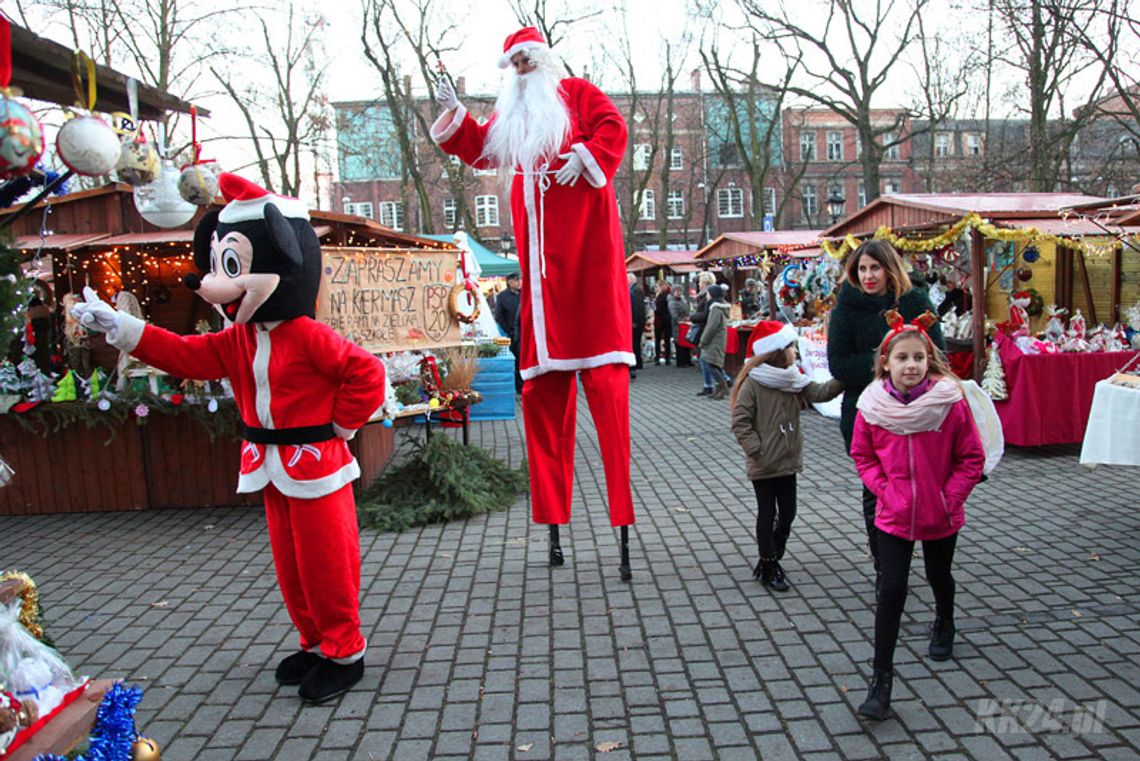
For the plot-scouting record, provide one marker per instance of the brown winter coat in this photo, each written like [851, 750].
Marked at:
[767, 425]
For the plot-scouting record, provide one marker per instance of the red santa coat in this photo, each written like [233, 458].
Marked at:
[291, 374]
[575, 310]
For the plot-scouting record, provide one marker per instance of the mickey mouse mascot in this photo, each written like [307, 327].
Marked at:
[302, 391]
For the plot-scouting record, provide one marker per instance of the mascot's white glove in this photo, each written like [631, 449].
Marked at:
[571, 170]
[445, 94]
[345, 433]
[95, 314]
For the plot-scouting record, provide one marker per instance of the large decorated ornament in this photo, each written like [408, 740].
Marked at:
[160, 203]
[198, 184]
[138, 162]
[88, 146]
[21, 138]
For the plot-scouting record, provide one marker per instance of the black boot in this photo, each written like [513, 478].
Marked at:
[293, 668]
[328, 679]
[704, 392]
[625, 571]
[771, 575]
[942, 639]
[556, 557]
[878, 703]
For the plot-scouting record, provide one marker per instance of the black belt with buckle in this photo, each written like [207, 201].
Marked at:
[306, 434]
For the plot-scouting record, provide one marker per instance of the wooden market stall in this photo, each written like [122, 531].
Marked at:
[1052, 243]
[104, 462]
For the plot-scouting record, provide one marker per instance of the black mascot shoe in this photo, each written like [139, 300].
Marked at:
[328, 679]
[292, 669]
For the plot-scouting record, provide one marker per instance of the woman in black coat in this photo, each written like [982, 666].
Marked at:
[875, 282]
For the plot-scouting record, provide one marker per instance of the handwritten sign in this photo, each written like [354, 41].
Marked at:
[389, 300]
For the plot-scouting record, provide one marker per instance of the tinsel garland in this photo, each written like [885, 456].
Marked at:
[30, 602]
[114, 732]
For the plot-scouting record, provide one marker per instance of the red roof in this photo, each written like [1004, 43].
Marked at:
[665, 257]
[59, 242]
[1073, 225]
[731, 245]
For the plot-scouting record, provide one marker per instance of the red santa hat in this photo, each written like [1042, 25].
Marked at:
[524, 39]
[247, 201]
[770, 335]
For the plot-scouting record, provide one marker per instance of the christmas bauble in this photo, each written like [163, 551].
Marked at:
[138, 163]
[145, 749]
[198, 185]
[160, 202]
[88, 145]
[21, 139]
[1024, 275]
[1030, 254]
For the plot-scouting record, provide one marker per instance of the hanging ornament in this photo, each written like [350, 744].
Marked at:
[87, 144]
[160, 203]
[138, 159]
[21, 137]
[198, 184]
[793, 276]
[1030, 254]
[1024, 275]
[145, 749]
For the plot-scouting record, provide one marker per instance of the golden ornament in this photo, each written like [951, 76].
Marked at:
[145, 749]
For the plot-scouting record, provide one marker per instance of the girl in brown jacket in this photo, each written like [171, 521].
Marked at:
[766, 401]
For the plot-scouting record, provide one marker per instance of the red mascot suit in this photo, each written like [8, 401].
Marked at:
[302, 391]
[575, 306]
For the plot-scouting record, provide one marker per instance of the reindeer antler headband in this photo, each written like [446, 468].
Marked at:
[898, 325]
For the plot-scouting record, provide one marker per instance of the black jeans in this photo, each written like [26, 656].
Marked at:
[894, 559]
[775, 511]
[638, 332]
[663, 344]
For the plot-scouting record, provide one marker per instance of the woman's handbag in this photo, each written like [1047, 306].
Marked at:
[694, 334]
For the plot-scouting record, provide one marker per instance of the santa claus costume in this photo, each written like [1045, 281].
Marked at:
[301, 390]
[575, 311]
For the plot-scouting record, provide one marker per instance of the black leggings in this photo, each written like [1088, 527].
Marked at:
[869, 503]
[894, 562]
[663, 344]
[773, 527]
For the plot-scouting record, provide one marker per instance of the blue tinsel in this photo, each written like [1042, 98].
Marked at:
[114, 733]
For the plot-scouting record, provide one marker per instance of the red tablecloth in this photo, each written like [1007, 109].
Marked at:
[1050, 394]
[731, 341]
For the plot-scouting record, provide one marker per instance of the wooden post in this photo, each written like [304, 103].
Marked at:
[1114, 303]
[978, 290]
[1080, 256]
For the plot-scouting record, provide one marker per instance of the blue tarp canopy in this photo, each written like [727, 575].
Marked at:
[493, 265]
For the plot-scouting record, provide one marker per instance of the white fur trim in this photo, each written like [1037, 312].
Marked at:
[594, 173]
[448, 123]
[582, 363]
[505, 58]
[781, 339]
[348, 434]
[127, 333]
[535, 228]
[244, 211]
[272, 471]
[262, 391]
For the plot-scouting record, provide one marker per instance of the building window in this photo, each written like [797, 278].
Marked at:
[641, 153]
[392, 214]
[676, 160]
[727, 155]
[486, 211]
[834, 146]
[973, 144]
[675, 207]
[807, 146]
[449, 208]
[730, 203]
[858, 146]
[890, 152]
[648, 205]
[362, 209]
[942, 144]
[861, 193]
[769, 200]
[810, 200]
[892, 186]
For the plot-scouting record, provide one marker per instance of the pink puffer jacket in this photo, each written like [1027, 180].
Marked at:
[921, 479]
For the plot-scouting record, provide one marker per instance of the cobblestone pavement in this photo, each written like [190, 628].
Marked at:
[478, 649]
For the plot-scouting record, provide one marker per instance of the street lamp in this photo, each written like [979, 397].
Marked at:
[835, 203]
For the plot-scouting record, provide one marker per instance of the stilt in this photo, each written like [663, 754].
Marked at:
[556, 558]
[626, 573]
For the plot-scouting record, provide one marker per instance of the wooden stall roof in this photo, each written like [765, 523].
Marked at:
[42, 69]
[57, 242]
[731, 245]
[1071, 226]
[915, 211]
[677, 261]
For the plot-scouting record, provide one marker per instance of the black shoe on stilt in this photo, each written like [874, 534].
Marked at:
[878, 703]
[624, 569]
[292, 669]
[556, 558]
[329, 679]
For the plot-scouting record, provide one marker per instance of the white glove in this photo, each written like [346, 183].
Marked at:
[445, 94]
[571, 170]
[6, 473]
[95, 314]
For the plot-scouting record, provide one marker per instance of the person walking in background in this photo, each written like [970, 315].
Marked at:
[700, 316]
[750, 299]
[678, 311]
[662, 325]
[637, 308]
[874, 282]
[713, 339]
[918, 451]
[766, 400]
[507, 318]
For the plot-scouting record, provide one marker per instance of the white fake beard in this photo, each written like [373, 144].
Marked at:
[531, 121]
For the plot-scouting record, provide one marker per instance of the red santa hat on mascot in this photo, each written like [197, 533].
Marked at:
[527, 38]
[247, 201]
[769, 336]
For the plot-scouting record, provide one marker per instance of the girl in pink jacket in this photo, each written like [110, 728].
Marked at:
[916, 447]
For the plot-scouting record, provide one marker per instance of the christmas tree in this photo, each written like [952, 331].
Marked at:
[993, 380]
[15, 293]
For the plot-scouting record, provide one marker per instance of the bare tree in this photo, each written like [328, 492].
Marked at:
[553, 23]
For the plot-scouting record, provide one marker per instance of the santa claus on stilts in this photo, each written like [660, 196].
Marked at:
[564, 140]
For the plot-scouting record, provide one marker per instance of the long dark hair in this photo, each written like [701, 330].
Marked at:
[884, 253]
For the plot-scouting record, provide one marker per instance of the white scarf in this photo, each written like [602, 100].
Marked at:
[787, 379]
[926, 413]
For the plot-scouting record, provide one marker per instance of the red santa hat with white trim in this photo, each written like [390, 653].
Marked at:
[527, 38]
[770, 335]
[247, 201]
